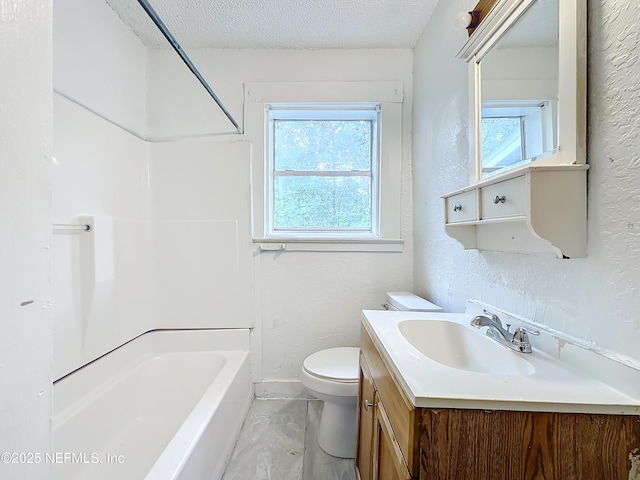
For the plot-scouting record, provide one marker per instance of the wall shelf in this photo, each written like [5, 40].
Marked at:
[532, 209]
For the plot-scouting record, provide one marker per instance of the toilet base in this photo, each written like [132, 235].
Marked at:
[337, 431]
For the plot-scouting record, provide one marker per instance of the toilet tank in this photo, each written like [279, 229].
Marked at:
[407, 301]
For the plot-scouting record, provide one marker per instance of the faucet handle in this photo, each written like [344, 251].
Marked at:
[520, 335]
[535, 333]
[521, 340]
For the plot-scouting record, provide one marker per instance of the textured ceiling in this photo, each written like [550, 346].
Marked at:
[281, 23]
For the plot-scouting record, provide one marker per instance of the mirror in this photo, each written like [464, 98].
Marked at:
[527, 84]
[519, 92]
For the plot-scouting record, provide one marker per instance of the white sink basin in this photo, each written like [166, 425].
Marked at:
[457, 346]
[440, 361]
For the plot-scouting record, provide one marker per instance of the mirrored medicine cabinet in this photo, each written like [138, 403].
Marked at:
[527, 118]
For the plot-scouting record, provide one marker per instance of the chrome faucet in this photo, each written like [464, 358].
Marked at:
[482, 321]
[517, 341]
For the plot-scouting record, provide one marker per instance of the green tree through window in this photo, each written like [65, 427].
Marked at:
[323, 172]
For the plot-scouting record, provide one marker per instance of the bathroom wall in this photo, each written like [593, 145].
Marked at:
[191, 206]
[595, 299]
[101, 289]
[100, 279]
[304, 301]
[100, 63]
[170, 245]
[201, 251]
[25, 235]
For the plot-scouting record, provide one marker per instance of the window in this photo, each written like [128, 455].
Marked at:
[323, 170]
[326, 165]
[502, 143]
[515, 133]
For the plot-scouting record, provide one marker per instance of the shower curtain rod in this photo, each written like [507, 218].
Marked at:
[185, 58]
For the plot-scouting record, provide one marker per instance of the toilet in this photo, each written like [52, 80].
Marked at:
[331, 375]
[407, 301]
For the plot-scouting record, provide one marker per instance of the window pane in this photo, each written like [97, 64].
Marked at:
[322, 202]
[501, 142]
[322, 145]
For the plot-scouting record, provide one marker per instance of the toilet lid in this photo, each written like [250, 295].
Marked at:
[338, 364]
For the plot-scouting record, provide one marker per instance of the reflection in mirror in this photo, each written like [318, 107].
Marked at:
[519, 92]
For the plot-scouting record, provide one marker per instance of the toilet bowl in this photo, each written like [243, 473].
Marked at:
[332, 376]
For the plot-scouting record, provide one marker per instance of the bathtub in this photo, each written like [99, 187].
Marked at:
[166, 405]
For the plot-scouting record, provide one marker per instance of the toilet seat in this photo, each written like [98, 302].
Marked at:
[334, 364]
[332, 376]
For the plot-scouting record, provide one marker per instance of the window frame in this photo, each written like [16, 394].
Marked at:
[323, 111]
[545, 129]
[390, 95]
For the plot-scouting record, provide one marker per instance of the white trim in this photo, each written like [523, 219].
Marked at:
[289, 244]
[281, 389]
[389, 95]
[323, 111]
[571, 77]
[492, 28]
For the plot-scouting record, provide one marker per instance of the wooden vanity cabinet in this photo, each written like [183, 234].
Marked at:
[364, 439]
[387, 446]
[510, 445]
[398, 441]
[388, 461]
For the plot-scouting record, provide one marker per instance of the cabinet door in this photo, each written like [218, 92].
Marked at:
[388, 462]
[364, 442]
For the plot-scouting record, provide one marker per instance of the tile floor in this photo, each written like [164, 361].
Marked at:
[278, 442]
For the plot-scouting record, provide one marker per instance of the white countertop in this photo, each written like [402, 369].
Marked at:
[555, 386]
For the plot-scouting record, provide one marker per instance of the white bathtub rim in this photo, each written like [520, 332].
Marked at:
[238, 337]
[232, 386]
[175, 455]
[69, 396]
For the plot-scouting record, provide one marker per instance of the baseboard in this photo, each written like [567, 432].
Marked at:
[281, 389]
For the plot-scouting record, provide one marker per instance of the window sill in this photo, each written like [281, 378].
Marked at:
[289, 244]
